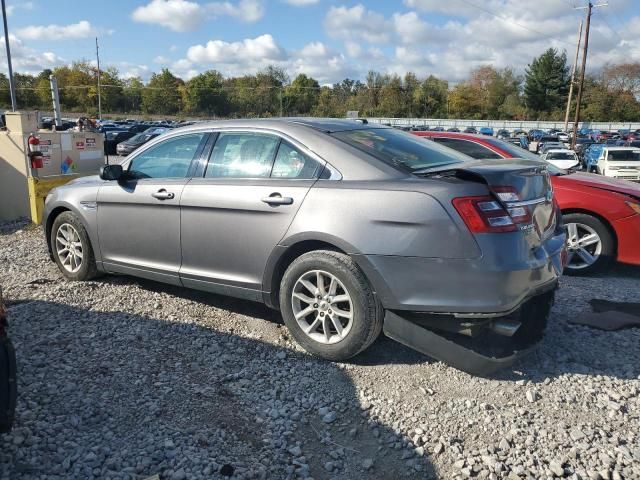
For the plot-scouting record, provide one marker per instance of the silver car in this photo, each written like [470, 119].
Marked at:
[347, 228]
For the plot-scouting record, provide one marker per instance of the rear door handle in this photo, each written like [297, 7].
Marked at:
[277, 199]
[162, 194]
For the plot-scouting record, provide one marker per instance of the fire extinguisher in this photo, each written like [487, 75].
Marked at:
[37, 161]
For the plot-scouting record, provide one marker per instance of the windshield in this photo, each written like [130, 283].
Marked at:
[561, 156]
[624, 155]
[400, 149]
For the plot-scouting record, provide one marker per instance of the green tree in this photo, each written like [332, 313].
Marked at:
[132, 94]
[162, 94]
[431, 98]
[546, 83]
[301, 96]
[205, 93]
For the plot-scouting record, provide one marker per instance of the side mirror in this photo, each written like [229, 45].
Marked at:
[111, 172]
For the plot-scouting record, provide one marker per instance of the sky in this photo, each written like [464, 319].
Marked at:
[327, 39]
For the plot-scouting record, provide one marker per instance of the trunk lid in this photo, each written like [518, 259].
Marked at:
[523, 188]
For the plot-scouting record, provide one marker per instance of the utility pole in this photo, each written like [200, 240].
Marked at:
[99, 87]
[12, 86]
[573, 78]
[589, 8]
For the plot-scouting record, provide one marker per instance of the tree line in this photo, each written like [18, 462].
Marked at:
[488, 93]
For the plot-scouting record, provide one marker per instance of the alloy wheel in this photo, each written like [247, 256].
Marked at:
[583, 244]
[69, 248]
[322, 307]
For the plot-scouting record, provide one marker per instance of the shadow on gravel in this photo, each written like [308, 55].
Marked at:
[115, 395]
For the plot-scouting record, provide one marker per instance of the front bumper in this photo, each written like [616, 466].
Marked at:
[627, 233]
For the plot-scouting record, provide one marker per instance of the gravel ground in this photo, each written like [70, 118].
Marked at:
[122, 378]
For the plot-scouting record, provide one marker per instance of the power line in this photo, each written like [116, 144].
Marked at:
[515, 23]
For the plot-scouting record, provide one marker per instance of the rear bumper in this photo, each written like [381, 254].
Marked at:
[482, 350]
[486, 286]
[627, 233]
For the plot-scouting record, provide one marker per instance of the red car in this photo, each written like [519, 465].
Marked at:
[602, 214]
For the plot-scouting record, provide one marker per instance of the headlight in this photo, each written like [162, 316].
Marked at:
[634, 206]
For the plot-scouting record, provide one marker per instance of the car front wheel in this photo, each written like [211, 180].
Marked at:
[71, 248]
[328, 305]
[590, 244]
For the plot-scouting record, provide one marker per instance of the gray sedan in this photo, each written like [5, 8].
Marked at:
[347, 228]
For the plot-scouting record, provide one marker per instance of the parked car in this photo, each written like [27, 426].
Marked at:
[486, 131]
[545, 147]
[453, 129]
[470, 130]
[135, 142]
[539, 145]
[113, 138]
[8, 373]
[602, 214]
[521, 142]
[249, 208]
[561, 158]
[503, 134]
[590, 157]
[519, 132]
[619, 162]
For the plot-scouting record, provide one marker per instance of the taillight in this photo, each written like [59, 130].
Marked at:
[487, 215]
[484, 215]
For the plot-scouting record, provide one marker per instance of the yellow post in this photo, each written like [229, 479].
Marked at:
[39, 188]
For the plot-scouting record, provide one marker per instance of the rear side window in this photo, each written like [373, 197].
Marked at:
[242, 155]
[291, 163]
[400, 149]
[474, 150]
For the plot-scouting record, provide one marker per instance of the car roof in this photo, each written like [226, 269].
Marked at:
[560, 150]
[634, 149]
[327, 125]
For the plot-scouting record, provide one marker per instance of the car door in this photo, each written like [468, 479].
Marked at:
[235, 215]
[139, 216]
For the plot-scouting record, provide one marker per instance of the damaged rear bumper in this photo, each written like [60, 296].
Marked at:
[479, 346]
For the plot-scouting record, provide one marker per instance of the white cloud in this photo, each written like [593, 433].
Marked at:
[322, 63]
[11, 9]
[185, 15]
[25, 59]
[301, 3]
[131, 70]
[82, 29]
[162, 60]
[260, 49]
[357, 23]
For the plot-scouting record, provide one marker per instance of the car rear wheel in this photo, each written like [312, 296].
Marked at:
[71, 248]
[590, 244]
[328, 305]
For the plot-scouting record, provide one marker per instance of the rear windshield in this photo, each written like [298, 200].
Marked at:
[561, 156]
[400, 149]
[514, 151]
[624, 155]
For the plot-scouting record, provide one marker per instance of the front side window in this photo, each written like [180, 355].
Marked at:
[168, 159]
[291, 163]
[242, 155]
[474, 150]
[400, 149]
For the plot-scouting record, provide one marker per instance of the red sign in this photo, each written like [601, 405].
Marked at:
[79, 145]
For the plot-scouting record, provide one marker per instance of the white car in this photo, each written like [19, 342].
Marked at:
[561, 158]
[620, 162]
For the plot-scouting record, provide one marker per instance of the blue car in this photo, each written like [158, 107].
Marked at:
[591, 155]
[486, 131]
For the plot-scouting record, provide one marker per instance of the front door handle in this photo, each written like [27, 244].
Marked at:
[162, 194]
[277, 199]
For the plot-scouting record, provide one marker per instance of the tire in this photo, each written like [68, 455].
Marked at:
[85, 268]
[8, 384]
[358, 332]
[586, 224]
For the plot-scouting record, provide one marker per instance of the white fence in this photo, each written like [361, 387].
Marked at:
[496, 124]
